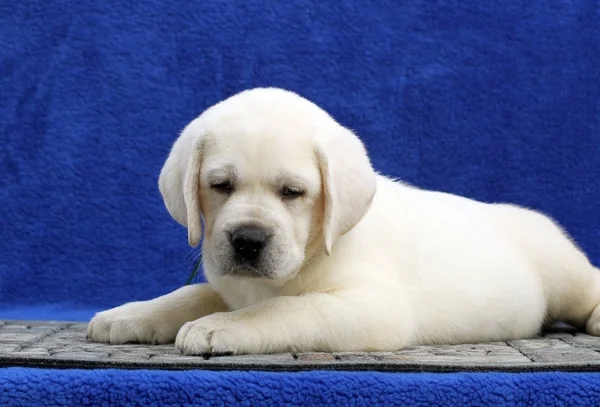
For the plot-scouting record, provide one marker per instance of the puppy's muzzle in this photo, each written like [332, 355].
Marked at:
[248, 243]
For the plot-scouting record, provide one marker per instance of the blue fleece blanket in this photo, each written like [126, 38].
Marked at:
[498, 101]
[20, 386]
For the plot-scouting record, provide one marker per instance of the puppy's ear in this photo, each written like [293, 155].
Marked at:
[179, 181]
[349, 181]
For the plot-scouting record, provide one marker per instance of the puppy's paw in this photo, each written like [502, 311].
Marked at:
[216, 334]
[138, 322]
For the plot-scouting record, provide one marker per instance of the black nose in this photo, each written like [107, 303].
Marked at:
[248, 242]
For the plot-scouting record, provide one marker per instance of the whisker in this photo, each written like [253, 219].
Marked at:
[191, 256]
[195, 271]
[190, 263]
[193, 264]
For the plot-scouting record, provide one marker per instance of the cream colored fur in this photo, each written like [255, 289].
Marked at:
[359, 262]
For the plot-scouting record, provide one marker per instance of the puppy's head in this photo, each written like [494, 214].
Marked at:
[273, 176]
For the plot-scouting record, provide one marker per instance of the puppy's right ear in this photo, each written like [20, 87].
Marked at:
[179, 180]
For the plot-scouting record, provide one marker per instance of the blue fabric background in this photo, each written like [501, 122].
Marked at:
[497, 101]
[150, 388]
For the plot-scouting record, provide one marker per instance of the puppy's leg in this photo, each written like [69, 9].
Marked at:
[593, 322]
[156, 321]
[576, 297]
[570, 282]
[312, 322]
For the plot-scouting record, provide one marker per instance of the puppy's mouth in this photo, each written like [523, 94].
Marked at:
[239, 270]
[259, 274]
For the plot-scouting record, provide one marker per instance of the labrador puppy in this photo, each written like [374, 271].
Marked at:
[307, 248]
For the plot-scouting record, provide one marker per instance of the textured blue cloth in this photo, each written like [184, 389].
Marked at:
[30, 387]
[498, 101]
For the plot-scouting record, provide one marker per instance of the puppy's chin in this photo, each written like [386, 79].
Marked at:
[279, 265]
[247, 271]
[232, 269]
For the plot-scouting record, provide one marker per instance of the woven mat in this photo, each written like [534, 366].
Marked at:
[50, 344]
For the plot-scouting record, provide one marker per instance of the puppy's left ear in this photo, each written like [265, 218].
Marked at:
[179, 181]
[349, 181]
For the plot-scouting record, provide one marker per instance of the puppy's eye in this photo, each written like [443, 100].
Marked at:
[291, 192]
[222, 186]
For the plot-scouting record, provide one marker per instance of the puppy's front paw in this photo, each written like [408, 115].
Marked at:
[216, 334]
[136, 322]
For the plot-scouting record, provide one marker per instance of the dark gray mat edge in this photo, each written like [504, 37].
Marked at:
[62, 345]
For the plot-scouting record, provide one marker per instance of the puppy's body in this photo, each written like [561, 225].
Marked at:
[445, 269]
[343, 267]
